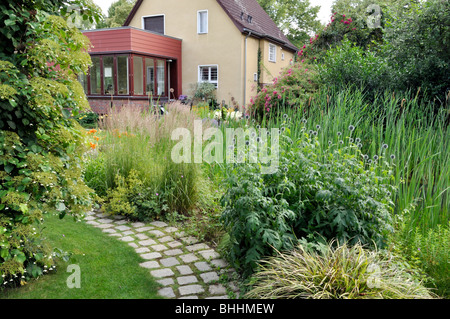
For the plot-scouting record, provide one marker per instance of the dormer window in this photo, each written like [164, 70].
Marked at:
[249, 19]
[242, 15]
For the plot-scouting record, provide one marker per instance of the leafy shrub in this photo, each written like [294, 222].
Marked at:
[204, 91]
[318, 191]
[293, 88]
[342, 272]
[88, 119]
[350, 64]
[135, 200]
[40, 145]
[343, 26]
[418, 46]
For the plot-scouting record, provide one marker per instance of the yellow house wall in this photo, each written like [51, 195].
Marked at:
[223, 45]
[271, 70]
[220, 46]
[252, 68]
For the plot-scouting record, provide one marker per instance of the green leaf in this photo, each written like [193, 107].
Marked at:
[9, 22]
[4, 253]
[38, 256]
[11, 124]
[20, 257]
[9, 168]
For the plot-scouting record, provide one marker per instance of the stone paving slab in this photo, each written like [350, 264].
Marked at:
[183, 266]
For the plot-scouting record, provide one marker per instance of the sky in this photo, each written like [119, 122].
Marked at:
[104, 4]
[325, 9]
[324, 13]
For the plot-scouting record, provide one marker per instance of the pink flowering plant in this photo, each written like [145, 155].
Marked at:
[341, 26]
[293, 87]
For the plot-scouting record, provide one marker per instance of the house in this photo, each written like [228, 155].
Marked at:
[232, 44]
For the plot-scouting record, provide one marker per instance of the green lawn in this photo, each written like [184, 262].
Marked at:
[109, 267]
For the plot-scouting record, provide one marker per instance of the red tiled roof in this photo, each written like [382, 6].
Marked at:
[260, 24]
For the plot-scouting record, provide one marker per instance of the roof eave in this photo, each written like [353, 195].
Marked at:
[258, 35]
[132, 13]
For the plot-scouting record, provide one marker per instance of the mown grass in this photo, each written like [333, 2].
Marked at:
[109, 268]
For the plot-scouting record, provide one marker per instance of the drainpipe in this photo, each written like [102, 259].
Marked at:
[245, 65]
[168, 78]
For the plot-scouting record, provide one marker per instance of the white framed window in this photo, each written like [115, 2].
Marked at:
[272, 52]
[202, 21]
[282, 56]
[209, 74]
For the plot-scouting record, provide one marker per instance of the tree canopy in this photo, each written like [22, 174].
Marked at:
[296, 18]
[117, 14]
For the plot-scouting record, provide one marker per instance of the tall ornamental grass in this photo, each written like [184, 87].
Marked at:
[140, 174]
[342, 272]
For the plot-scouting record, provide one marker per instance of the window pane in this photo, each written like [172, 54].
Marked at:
[203, 22]
[138, 76]
[122, 74]
[213, 73]
[161, 76]
[204, 71]
[209, 74]
[94, 73]
[155, 24]
[108, 75]
[150, 76]
[272, 52]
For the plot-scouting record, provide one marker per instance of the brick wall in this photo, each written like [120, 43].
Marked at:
[103, 105]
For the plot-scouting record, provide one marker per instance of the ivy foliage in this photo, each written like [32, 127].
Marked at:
[40, 145]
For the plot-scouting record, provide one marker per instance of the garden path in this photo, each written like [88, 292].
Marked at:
[185, 267]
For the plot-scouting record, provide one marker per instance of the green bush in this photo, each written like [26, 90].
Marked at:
[418, 48]
[349, 64]
[204, 91]
[132, 198]
[329, 191]
[88, 119]
[40, 144]
[342, 272]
